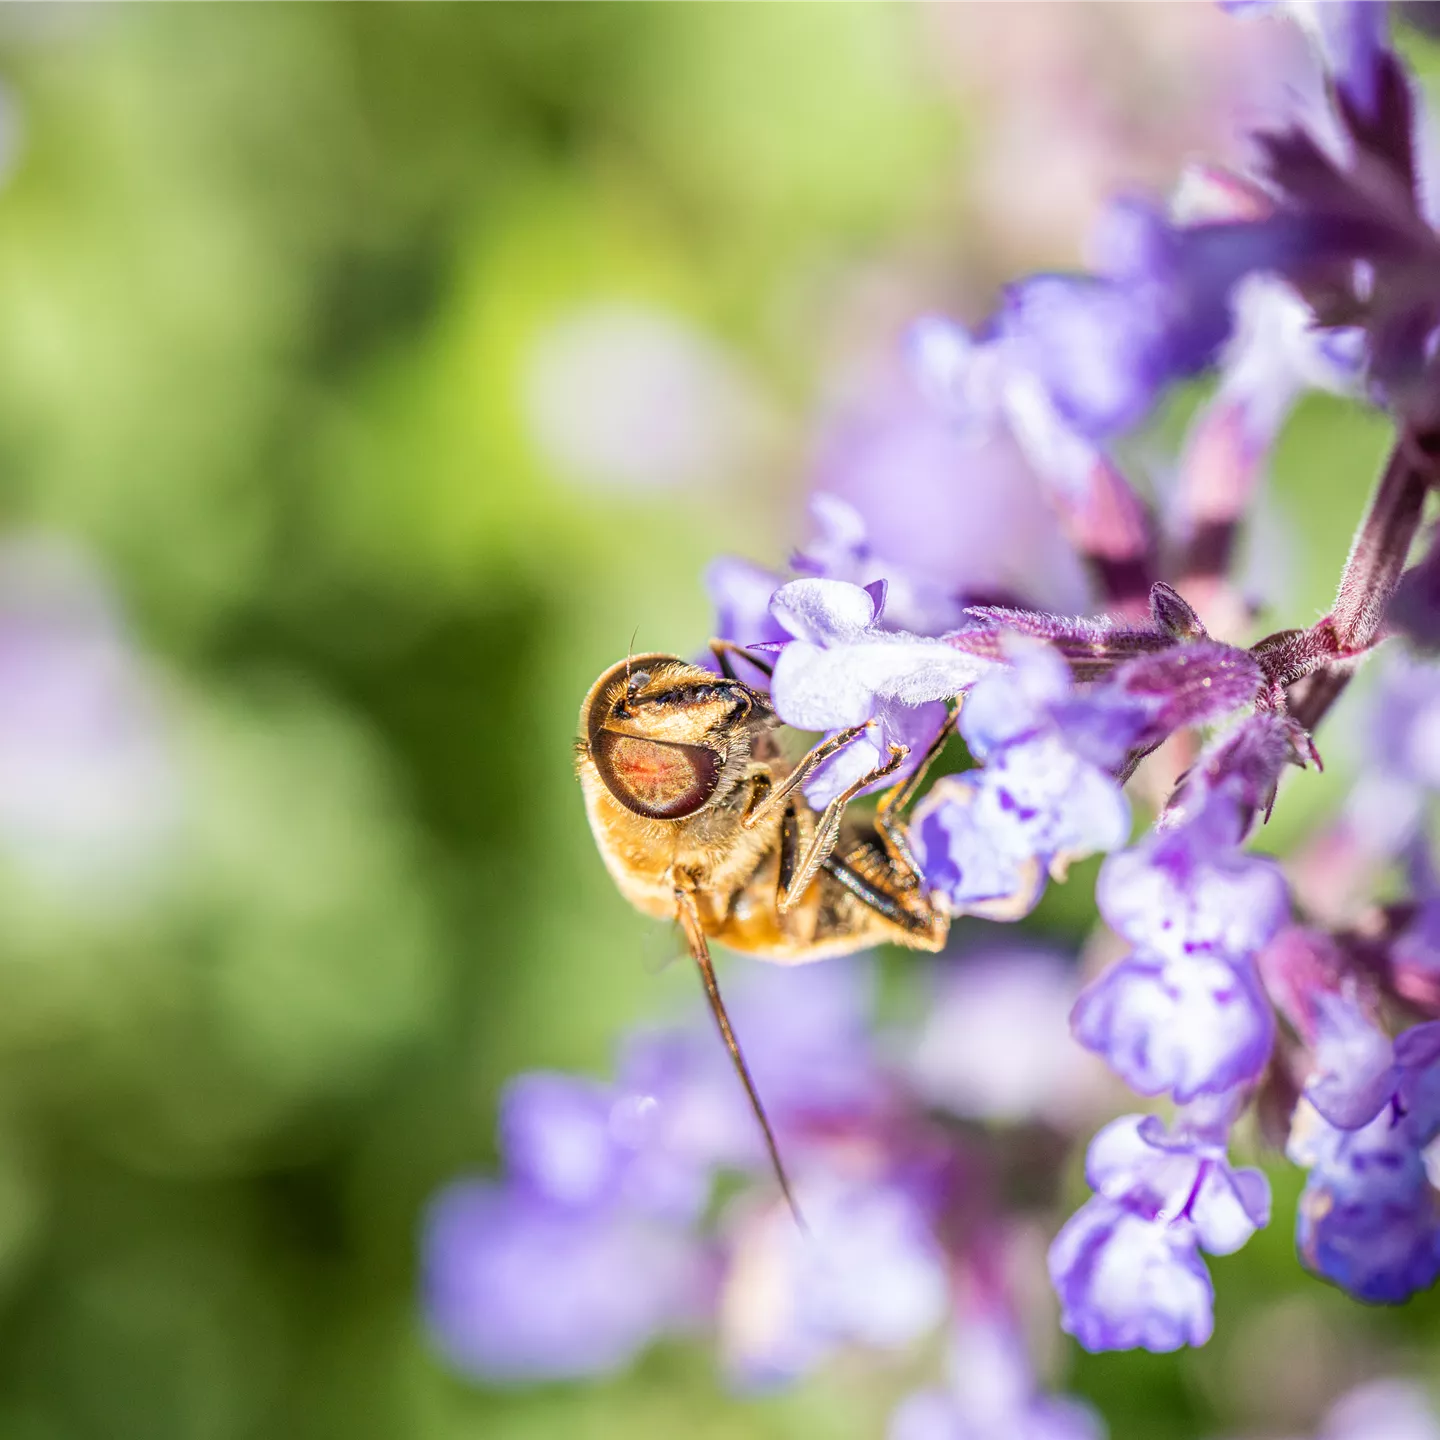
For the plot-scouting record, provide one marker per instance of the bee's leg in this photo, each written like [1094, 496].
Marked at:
[722, 650]
[886, 877]
[804, 768]
[887, 816]
[827, 830]
[688, 914]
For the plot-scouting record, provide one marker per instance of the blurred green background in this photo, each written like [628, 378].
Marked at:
[274, 287]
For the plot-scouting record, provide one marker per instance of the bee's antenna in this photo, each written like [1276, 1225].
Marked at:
[629, 655]
[722, 1020]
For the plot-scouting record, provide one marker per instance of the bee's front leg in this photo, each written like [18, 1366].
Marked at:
[827, 831]
[804, 768]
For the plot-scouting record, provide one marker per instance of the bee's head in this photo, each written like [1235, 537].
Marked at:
[667, 737]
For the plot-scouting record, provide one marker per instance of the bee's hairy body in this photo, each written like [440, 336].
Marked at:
[737, 871]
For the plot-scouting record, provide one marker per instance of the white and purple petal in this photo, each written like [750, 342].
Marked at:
[1125, 1282]
[1188, 890]
[1189, 1026]
[1355, 1074]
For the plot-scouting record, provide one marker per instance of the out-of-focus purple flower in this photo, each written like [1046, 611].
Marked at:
[944, 515]
[1126, 1266]
[1125, 1282]
[1368, 1218]
[89, 795]
[1351, 36]
[806, 1031]
[1382, 1410]
[621, 396]
[806, 1042]
[841, 666]
[1355, 1073]
[988, 386]
[1405, 739]
[519, 1289]
[1086, 356]
[1349, 223]
[841, 548]
[992, 1395]
[1044, 795]
[869, 1272]
[740, 592]
[1415, 606]
[579, 1143]
[995, 1043]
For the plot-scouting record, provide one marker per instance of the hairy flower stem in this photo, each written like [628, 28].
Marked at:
[1382, 543]
[1324, 655]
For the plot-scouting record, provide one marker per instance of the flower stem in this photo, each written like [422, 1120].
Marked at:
[1383, 540]
[1328, 651]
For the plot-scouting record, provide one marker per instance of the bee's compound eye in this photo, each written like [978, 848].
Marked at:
[656, 779]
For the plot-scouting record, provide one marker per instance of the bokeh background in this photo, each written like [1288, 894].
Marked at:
[369, 376]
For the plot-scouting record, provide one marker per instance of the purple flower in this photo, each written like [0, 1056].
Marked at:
[1125, 1282]
[1185, 1013]
[869, 1272]
[995, 1043]
[1189, 889]
[806, 1032]
[1350, 36]
[580, 1144]
[89, 797]
[841, 666]
[841, 548]
[1185, 1027]
[1180, 1177]
[1382, 1410]
[740, 592]
[990, 387]
[1072, 360]
[938, 512]
[1368, 1218]
[518, 1289]
[1355, 1074]
[1405, 729]
[936, 1415]
[987, 838]
[1275, 356]
[1126, 1265]
[992, 1395]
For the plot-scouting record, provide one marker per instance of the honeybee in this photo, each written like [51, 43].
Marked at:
[701, 819]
